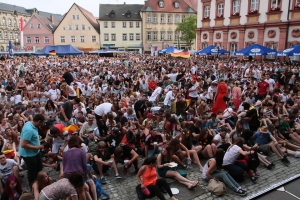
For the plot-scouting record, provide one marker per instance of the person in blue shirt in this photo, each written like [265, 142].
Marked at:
[265, 141]
[30, 147]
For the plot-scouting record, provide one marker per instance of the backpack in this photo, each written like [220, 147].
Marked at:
[216, 187]
[253, 161]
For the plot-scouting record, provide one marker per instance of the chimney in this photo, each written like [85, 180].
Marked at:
[124, 3]
[52, 19]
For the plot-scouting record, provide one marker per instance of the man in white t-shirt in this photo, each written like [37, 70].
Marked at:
[271, 82]
[169, 98]
[53, 93]
[193, 91]
[154, 98]
[7, 167]
[222, 140]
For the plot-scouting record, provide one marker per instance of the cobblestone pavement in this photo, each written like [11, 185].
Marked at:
[124, 189]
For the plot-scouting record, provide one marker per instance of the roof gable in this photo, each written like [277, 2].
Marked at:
[169, 6]
[119, 12]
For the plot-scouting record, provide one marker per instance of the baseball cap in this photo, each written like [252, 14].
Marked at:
[90, 117]
[90, 130]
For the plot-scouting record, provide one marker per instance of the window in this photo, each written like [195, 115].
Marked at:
[155, 18]
[46, 40]
[124, 24]
[137, 36]
[176, 4]
[73, 39]
[148, 18]
[0, 35]
[3, 21]
[16, 35]
[76, 27]
[206, 11]
[176, 35]
[105, 25]
[94, 38]
[77, 17]
[89, 28]
[113, 24]
[83, 27]
[31, 25]
[130, 24]
[275, 3]
[161, 4]
[74, 17]
[170, 35]
[162, 18]
[236, 6]
[64, 28]
[170, 17]
[39, 26]
[162, 35]
[131, 36]
[220, 9]
[11, 36]
[62, 39]
[9, 22]
[113, 37]
[148, 35]
[271, 46]
[82, 38]
[5, 35]
[37, 40]
[154, 35]
[106, 37]
[137, 24]
[177, 18]
[70, 27]
[15, 22]
[254, 5]
[28, 40]
[233, 48]
[182, 18]
[124, 36]
[25, 22]
[204, 45]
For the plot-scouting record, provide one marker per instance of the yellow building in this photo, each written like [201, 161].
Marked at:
[78, 28]
[121, 27]
[160, 19]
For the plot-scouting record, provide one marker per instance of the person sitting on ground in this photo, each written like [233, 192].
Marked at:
[150, 180]
[104, 161]
[127, 156]
[7, 167]
[42, 180]
[164, 169]
[13, 189]
[212, 169]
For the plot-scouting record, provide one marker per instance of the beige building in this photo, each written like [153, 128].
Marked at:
[78, 28]
[160, 19]
[121, 27]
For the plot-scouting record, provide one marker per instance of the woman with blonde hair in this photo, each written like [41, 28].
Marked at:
[42, 180]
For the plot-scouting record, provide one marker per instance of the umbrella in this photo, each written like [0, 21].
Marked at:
[255, 50]
[169, 49]
[212, 50]
[293, 51]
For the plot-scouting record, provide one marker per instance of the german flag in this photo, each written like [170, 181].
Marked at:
[183, 54]
[52, 53]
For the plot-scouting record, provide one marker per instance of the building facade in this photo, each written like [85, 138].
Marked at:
[160, 19]
[121, 27]
[235, 24]
[78, 28]
[39, 30]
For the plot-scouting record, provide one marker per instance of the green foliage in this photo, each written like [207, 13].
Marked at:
[188, 29]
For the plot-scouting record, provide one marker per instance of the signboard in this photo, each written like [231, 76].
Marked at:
[28, 49]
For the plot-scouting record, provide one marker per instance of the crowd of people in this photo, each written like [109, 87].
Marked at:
[83, 115]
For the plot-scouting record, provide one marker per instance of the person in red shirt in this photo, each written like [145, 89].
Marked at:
[263, 87]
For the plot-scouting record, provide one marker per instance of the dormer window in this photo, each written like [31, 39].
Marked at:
[161, 4]
[128, 14]
[112, 14]
[176, 4]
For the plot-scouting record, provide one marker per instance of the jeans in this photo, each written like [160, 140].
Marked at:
[227, 179]
[34, 165]
[230, 122]
[154, 151]
[236, 170]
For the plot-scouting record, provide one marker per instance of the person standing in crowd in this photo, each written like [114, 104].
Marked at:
[66, 111]
[219, 101]
[30, 147]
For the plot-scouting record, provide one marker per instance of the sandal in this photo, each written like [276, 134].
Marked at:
[195, 184]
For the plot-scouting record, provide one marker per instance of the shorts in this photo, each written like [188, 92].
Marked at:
[200, 155]
[266, 149]
[56, 146]
[286, 135]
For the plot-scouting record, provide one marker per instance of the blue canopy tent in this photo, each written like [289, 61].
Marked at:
[255, 50]
[293, 51]
[212, 50]
[59, 50]
[169, 49]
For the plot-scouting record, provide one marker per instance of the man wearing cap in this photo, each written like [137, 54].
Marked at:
[154, 142]
[90, 124]
[262, 138]
[91, 141]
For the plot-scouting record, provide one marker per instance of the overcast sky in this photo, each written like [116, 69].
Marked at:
[62, 6]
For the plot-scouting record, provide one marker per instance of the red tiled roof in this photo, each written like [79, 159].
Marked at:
[184, 5]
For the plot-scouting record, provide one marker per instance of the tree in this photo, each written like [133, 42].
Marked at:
[188, 29]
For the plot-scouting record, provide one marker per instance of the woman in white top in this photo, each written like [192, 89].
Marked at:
[234, 168]
[212, 169]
